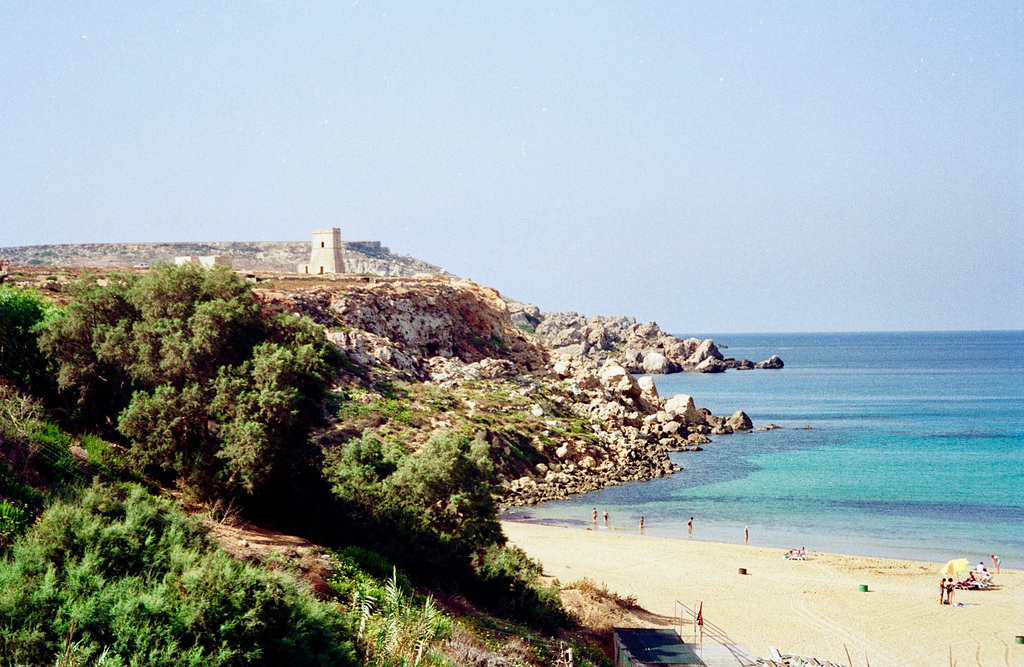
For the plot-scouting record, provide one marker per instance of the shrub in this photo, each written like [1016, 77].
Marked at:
[394, 628]
[21, 361]
[206, 387]
[508, 585]
[123, 575]
[449, 483]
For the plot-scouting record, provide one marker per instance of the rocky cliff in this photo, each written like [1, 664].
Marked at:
[429, 354]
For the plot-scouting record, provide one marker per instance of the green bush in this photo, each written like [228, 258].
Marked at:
[21, 362]
[123, 575]
[206, 388]
[507, 585]
[449, 484]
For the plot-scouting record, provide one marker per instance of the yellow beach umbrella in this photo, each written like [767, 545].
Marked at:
[956, 566]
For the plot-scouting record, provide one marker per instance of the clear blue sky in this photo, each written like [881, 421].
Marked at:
[721, 166]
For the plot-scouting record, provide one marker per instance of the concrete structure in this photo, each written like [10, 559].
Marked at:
[205, 261]
[329, 254]
[326, 253]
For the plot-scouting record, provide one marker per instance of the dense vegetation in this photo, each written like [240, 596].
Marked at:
[203, 386]
[179, 381]
[125, 577]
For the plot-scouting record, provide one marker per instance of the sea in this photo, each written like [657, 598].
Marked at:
[900, 445]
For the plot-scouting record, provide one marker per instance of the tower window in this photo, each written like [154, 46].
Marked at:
[321, 244]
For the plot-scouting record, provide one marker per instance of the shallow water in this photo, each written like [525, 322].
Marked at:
[916, 450]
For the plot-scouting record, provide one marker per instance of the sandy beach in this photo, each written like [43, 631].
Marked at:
[812, 608]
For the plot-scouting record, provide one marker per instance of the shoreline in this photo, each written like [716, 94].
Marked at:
[782, 538]
[812, 608]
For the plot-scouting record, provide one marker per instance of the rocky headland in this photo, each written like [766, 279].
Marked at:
[558, 423]
[638, 347]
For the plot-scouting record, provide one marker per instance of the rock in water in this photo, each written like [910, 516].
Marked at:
[771, 362]
[739, 421]
[711, 365]
[655, 363]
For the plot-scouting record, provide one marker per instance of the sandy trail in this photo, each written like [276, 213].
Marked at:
[813, 607]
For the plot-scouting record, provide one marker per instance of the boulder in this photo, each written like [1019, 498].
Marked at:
[697, 439]
[568, 337]
[632, 357]
[671, 428]
[649, 331]
[739, 421]
[647, 387]
[655, 363]
[617, 378]
[771, 362]
[681, 405]
[562, 369]
[710, 365]
[705, 350]
[598, 337]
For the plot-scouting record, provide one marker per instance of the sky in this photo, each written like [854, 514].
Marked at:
[712, 166]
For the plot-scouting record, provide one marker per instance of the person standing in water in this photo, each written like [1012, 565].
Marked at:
[689, 526]
[594, 515]
[606, 517]
[746, 534]
[641, 524]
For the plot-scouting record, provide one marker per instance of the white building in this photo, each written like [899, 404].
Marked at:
[326, 254]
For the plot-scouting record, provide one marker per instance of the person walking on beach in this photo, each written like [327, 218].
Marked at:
[995, 562]
[746, 534]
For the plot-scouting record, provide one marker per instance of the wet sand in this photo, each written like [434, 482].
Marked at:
[811, 608]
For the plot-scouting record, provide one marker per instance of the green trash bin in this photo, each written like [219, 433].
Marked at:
[863, 588]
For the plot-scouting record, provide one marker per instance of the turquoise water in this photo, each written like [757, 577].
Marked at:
[916, 450]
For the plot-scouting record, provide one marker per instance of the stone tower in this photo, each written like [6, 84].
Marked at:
[325, 256]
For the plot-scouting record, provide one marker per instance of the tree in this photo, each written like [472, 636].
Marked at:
[182, 363]
[450, 483]
[89, 341]
[21, 361]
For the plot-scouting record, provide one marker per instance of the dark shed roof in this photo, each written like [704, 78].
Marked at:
[657, 646]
